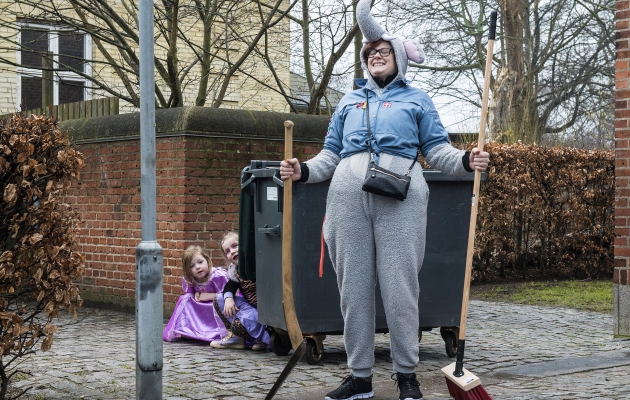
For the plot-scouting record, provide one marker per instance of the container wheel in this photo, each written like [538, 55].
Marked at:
[280, 344]
[450, 342]
[313, 357]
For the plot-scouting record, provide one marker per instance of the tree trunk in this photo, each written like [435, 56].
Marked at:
[306, 47]
[514, 115]
[210, 11]
[172, 12]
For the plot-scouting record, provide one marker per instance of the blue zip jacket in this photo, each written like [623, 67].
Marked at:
[403, 119]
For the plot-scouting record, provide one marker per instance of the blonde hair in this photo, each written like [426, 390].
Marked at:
[228, 235]
[189, 254]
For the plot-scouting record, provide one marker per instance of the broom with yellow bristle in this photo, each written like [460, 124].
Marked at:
[462, 384]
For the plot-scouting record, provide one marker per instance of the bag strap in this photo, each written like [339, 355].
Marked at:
[367, 111]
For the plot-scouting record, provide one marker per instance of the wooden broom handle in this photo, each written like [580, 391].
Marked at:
[477, 180]
[290, 317]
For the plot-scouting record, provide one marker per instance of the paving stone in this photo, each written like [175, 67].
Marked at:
[93, 357]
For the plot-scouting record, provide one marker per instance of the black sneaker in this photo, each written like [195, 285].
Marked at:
[352, 388]
[408, 385]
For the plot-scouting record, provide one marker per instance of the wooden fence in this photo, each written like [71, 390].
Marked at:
[77, 110]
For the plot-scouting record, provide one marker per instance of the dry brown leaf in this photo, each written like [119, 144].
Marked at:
[49, 329]
[36, 238]
[47, 343]
[6, 255]
[40, 169]
[10, 194]
[50, 307]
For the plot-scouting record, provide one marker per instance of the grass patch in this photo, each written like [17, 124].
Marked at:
[579, 295]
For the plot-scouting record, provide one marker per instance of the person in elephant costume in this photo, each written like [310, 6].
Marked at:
[370, 236]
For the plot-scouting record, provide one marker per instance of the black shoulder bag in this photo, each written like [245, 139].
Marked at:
[380, 180]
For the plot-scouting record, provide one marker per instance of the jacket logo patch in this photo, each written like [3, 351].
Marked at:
[387, 104]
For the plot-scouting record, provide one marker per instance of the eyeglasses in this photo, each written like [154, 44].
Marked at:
[383, 52]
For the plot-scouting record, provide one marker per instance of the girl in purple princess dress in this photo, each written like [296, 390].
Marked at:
[193, 316]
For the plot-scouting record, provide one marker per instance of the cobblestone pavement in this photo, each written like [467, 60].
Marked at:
[519, 352]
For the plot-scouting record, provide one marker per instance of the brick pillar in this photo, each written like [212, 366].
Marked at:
[621, 311]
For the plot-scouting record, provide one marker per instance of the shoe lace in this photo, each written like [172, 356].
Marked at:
[405, 381]
[349, 381]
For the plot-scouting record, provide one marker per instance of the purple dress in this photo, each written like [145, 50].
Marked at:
[193, 319]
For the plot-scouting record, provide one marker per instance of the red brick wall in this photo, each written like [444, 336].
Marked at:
[622, 144]
[198, 187]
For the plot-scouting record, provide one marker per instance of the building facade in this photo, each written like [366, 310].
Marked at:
[96, 57]
[621, 279]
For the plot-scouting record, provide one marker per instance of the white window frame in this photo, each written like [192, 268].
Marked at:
[53, 46]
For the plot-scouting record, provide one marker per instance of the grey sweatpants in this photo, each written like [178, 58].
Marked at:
[369, 237]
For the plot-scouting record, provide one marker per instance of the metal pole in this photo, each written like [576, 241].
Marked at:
[149, 301]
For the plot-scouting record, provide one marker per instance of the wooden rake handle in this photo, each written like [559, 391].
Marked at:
[293, 327]
[290, 316]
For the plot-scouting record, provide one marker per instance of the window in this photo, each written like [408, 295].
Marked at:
[69, 49]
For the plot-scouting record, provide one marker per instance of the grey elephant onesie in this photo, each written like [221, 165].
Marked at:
[372, 237]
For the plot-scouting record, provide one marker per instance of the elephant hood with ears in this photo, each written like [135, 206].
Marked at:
[404, 49]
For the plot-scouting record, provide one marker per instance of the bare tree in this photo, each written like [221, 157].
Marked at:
[200, 45]
[554, 62]
[325, 30]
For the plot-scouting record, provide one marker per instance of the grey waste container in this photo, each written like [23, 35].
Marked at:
[317, 297]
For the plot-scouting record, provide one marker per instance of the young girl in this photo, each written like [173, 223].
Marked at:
[238, 313]
[194, 315]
